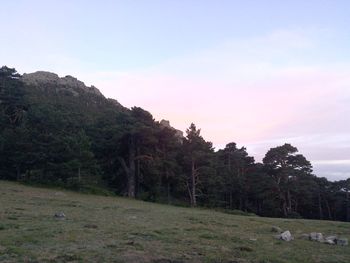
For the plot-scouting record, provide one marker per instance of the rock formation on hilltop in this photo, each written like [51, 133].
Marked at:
[68, 83]
[166, 124]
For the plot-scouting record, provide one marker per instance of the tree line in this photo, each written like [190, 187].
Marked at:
[89, 143]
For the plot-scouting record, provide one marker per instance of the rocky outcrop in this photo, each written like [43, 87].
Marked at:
[314, 236]
[330, 240]
[69, 83]
[40, 77]
[166, 124]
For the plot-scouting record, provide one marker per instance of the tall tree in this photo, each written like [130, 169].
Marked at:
[196, 158]
[167, 150]
[139, 145]
[13, 133]
[285, 165]
[233, 165]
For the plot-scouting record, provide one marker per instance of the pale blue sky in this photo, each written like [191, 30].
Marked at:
[121, 35]
[259, 73]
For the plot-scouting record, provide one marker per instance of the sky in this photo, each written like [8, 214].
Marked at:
[258, 73]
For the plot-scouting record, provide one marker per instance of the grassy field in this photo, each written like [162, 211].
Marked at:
[114, 229]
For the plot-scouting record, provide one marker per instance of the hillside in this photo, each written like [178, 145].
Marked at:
[114, 229]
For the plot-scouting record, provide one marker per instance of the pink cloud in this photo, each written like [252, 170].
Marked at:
[241, 111]
[242, 92]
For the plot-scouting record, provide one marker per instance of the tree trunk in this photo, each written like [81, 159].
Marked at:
[328, 210]
[79, 172]
[260, 202]
[137, 176]
[319, 206]
[167, 185]
[132, 169]
[347, 207]
[168, 193]
[193, 181]
[289, 200]
[284, 207]
[189, 192]
[18, 172]
[79, 175]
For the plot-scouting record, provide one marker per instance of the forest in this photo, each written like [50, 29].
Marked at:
[58, 132]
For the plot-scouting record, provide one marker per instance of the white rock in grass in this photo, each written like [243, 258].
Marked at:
[60, 215]
[342, 241]
[331, 240]
[316, 237]
[286, 236]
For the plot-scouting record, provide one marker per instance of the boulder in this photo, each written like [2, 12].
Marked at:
[316, 237]
[342, 241]
[276, 229]
[285, 236]
[331, 240]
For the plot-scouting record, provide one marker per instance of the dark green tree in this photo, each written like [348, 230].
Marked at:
[197, 153]
[285, 166]
[233, 165]
[138, 145]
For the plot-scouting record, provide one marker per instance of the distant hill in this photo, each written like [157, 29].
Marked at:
[64, 124]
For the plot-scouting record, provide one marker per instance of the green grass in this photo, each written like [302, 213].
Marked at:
[114, 229]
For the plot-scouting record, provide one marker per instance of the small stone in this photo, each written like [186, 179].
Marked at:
[253, 239]
[316, 237]
[342, 241]
[276, 229]
[60, 215]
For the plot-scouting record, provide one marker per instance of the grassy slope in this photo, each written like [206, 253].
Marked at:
[135, 231]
